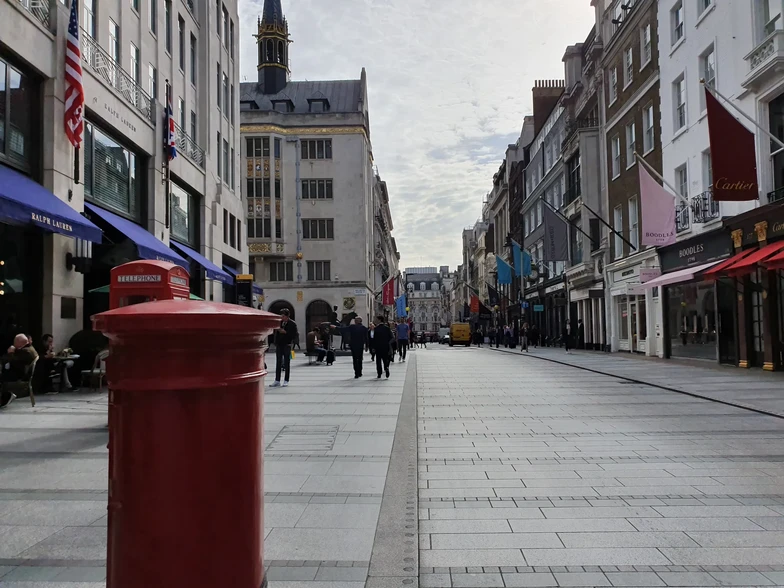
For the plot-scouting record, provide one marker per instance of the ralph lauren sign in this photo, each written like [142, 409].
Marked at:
[699, 250]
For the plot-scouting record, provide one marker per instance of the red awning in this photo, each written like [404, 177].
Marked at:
[717, 271]
[775, 262]
[749, 263]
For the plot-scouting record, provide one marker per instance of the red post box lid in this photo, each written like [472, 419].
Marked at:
[185, 316]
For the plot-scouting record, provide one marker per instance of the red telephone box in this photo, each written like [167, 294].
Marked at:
[147, 281]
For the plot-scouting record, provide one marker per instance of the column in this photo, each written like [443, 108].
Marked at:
[743, 345]
[769, 317]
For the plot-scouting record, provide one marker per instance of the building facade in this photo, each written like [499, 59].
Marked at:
[311, 187]
[129, 50]
[425, 289]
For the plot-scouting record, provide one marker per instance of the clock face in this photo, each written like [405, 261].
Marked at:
[534, 275]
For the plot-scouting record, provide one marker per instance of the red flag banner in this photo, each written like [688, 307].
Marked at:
[474, 303]
[388, 293]
[733, 155]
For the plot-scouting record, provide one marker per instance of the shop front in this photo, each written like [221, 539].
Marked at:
[547, 308]
[757, 278]
[627, 310]
[693, 312]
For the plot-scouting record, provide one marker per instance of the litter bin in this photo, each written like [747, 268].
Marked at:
[186, 496]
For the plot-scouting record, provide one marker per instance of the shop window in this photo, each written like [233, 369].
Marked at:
[623, 318]
[692, 320]
[110, 172]
[757, 322]
[183, 215]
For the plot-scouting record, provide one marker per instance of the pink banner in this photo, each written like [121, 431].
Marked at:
[658, 211]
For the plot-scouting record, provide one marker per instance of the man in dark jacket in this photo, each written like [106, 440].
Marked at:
[358, 336]
[580, 334]
[382, 339]
[20, 359]
[284, 336]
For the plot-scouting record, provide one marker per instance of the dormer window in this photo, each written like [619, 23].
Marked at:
[283, 105]
[248, 105]
[318, 105]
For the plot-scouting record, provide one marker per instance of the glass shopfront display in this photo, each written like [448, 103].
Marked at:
[691, 320]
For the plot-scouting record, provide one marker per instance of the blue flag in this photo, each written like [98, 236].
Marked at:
[522, 260]
[504, 271]
[400, 307]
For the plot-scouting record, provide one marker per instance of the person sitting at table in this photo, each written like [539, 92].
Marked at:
[49, 362]
[17, 363]
[314, 345]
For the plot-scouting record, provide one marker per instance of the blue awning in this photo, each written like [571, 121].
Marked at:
[23, 201]
[231, 271]
[212, 270]
[148, 246]
[258, 289]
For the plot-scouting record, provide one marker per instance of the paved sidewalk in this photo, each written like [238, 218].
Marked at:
[749, 388]
[537, 474]
[328, 443]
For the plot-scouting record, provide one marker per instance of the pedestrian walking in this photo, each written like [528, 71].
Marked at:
[480, 337]
[284, 335]
[566, 336]
[533, 335]
[392, 344]
[358, 337]
[371, 347]
[382, 340]
[524, 338]
[403, 334]
[580, 334]
[491, 335]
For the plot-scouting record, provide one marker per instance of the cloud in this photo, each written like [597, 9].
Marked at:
[449, 84]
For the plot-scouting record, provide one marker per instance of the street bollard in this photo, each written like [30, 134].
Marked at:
[186, 492]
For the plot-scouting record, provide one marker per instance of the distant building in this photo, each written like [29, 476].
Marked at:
[427, 297]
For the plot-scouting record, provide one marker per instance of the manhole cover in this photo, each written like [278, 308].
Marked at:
[304, 439]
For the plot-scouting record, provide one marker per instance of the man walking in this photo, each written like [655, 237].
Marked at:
[358, 338]
[284, 336]
[566, 335]
[403, 333]
[382, 339]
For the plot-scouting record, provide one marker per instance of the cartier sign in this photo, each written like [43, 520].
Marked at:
[699, 250]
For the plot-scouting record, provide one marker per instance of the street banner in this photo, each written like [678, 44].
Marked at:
[733, 155]
[474, 303]
[658, 211]
[522, 260]
[504, 271]
[484, 313]
[556, 237]
[400, 307]
[388, 292]
[493, 298]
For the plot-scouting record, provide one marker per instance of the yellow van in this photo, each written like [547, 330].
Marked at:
[460, 334]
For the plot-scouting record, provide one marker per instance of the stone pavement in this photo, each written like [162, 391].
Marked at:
[538, 474]
[328, 444]
[749, 388]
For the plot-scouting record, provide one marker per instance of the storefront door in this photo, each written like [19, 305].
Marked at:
[778, 357]
[726, 305]
[757, 356]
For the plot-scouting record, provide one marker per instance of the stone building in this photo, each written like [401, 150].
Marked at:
[311, 188]
[425, 289]
[129, 49]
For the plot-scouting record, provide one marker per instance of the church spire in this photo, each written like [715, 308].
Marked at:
[273, 48]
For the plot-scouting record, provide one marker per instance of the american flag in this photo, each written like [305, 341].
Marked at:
[170, 140]
[74, 92]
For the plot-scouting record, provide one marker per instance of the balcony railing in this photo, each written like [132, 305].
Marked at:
[39, 9]
[188, 147]
[113, 74]
[776, 195]
[576, 125]
[705, 209]
[682, 218]
[764, 60]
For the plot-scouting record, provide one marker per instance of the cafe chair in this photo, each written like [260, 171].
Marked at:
[97, 374]
[24, 388]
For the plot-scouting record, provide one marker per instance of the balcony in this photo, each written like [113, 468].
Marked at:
[114, 75]
[188, 147]
[682, 218]
[39, 9]
[766, 62]
[704, 208]
[577, 125]
[776, 196]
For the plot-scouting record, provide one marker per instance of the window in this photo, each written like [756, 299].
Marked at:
[628, 67]
[278, 231]
[218, 155]
[317, 149]
[616, 157]
[682, 181]
[239, 235]
[707, 170]
[225, 27]
[645, 46]
[225, 161]
[277, 148]
[114, 41]
[770, 17]
[225, 226]
[110, 172]
[618, 228]
[317, 189]
[613, 84]
[136, 70]
[647, 123]
[318, 105]
[135, 5]
[152, 14]
[634, 233]
[676, 20]
[525, 221]
[320, 229]
[181, 39]
[218, 17]
[152, 81]
[167, 9]
[194, 128]
[231, 38]
[703, 5]
[319, 271]
[181, 112]
[708, 72]
[184, 208]
[218, 86]
[89, 17]
[231, 105]
[281, 271]
[232, 231]
[226, 103]
[539, 215]
[631, 146]
[679, 100]
[232, 169]
[253, 147]
[265, 147]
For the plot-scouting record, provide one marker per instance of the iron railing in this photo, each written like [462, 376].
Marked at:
[705, 208]
[682, 218]
[776, 195]
[188, 147]
[113, 73]
[576, 125]
[39, 9]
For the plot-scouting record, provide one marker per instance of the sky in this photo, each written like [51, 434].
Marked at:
[449, 83]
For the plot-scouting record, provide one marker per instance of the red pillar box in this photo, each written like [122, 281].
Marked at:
[186, 497]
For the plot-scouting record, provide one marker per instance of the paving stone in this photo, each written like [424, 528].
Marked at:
[582, 579]
[632, 579]
[477, 581]
[741, 579]
[532, 580]
[724, 556]
[435, 580]
[341, 574]
[620, 556]
[687, 578]
[292, 574]
[471, 557]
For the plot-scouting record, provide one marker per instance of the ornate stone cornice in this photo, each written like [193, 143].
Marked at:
[279, 130]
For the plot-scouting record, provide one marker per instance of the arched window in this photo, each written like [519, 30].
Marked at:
[279, 305]
[434, 286]
[281, 55]
[422, 286]
[270, 51]
[317, 313]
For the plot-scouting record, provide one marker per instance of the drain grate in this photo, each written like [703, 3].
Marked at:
[304, 439]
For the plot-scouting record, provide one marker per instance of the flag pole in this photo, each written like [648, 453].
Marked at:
[167, 177]
[764, 131]
[659, 177]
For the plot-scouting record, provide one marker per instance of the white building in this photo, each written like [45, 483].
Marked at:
[310, 185]
[129, 48]
[426, 289]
